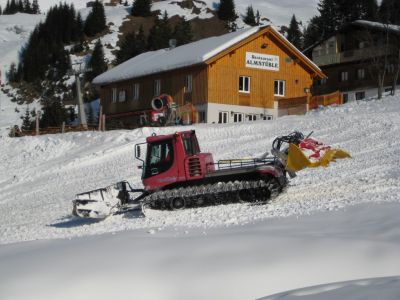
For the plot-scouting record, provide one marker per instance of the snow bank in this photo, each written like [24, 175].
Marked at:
[387, 288]
[39, 176]
[241, 262]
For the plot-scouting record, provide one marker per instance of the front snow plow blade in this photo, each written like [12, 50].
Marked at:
[312, 154]
[103, 202]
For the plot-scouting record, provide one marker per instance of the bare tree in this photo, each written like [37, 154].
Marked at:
[395, 61]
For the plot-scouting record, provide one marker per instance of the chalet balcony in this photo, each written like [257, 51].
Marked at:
[349, 56]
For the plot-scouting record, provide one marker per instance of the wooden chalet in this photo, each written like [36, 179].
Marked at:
[246, 75]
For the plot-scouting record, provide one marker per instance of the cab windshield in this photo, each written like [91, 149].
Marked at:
[160, 156]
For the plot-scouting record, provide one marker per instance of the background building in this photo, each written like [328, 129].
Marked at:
[354, 59]
[242, 76]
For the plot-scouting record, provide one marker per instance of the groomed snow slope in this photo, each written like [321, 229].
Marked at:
[39, 176]
[332, 225]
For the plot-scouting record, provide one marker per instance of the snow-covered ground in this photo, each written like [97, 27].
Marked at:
[331, 225]
[14, 33]
[372, 288]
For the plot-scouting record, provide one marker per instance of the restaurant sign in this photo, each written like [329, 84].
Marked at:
[262, 61]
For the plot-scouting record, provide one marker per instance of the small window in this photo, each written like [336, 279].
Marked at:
[244, 84]
[279, 88]
[122, 96]
[188, 83]
[157, 87]
[252, 117]
[237, 117]
[135, 91]
[344, 76]
[223, 117]
[345, 98]
[202, 116]
[360, 95]
[361, 74]
[114, 95]
[323, 81]
[268, 118]
[390, 68]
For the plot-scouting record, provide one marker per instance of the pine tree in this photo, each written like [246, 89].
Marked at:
[12, 73]
[258, 18]
[26, 121]
[183, 32]
[313, 32]
[54, 113]
[13, 7]
[226, 11]
[97, 63]
[96, 20]
[127, 49]
[79, 27]
[35, 7]
[330, 13]
[141, 44]
[250, 18]
[159, 34]
[7, 8]
[27, 7]
[141, 8]
[20, 6]
[389, 12]
[357, 10]
[294, 34]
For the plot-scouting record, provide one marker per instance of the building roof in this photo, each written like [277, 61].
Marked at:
[199, 52]
[395, 29]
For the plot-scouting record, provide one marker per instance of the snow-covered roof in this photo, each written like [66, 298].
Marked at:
[377, 26]
[183, 56]
[170, 59]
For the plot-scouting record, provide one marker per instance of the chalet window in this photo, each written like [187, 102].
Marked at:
[360, 95]
[344, 76]
[157, 87]
[135, 91]
[202, 116]
[122, 96]
[114, 95]
[252, 117]
[279, 88]
[237, 117]
[345, 98]
[268, 118]
[188, 83]
[390, 68]
[223, 117]
[361, 74]
[244, 84]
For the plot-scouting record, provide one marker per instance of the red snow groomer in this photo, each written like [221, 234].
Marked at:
[176, 174]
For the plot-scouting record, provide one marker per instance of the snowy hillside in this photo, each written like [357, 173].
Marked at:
[331, 225]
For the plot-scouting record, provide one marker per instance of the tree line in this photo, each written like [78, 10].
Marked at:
[333, 14]
[20, 6]
[159, 36]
